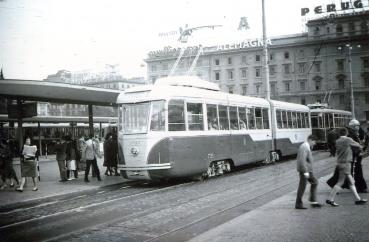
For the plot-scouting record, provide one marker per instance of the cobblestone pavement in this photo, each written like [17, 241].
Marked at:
[157, 212]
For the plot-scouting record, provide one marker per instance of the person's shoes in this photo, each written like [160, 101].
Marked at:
[19, 189]
[63, 180]
[363, 191]
[107, 174]
[300, 207]
[86, 180]
[2, 187]
[332, 203]
[12, 185]
[315, 205]
[35, 189]
[99, 178]
[361, 201]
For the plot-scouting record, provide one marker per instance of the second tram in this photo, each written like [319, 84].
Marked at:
[186, 127]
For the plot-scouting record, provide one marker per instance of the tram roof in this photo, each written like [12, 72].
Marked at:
[57, 92]
[328, 110]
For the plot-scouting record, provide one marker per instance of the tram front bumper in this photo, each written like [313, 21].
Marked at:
[142, 172]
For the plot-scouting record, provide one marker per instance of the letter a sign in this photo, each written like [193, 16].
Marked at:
[244, 25]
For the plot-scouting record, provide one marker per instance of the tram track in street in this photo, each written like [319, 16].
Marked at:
[93, 214]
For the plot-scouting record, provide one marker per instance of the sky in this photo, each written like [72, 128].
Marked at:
[40, 37]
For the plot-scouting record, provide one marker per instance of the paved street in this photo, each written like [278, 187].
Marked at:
[254, 197]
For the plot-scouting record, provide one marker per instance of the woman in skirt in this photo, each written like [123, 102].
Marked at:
[7, 164]
[29, 165]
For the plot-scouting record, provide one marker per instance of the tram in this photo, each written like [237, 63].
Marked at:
[323, 119]
[186, 127]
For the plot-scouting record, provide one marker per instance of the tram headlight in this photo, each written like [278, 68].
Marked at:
[134, 150]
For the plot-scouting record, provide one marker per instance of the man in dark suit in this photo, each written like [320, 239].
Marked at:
[305, 168]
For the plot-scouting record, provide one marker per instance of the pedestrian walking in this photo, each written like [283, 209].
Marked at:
[332, 136]
[28, 165]
[61, 156]
[357, 156]
[344, 156]
[305, 168]
[91, 153]
[110, 155]
[81, 148]
[6, 164]
[72, 155]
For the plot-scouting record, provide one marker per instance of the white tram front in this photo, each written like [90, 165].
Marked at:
[186, 127]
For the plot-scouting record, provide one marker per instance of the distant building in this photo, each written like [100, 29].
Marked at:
[304, 68]
[108, 78]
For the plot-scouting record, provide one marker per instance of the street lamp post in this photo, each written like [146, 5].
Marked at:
[349, 49]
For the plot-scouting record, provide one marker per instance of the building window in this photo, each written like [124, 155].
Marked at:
[257, 58]
[273, 89]
[364, 27]
[302, 85]
[153, 67]
[366, 81]
[230, 74]
[230, 89]
[318, 85]
[367, 115]
[243, 60]
[217, 62]
[229, 60]
[341, 83]
[339, 29]
[257, 88]
[272, 70]
[243, 73]
[303, 101]
[287, 86]
[352, 27]
[340, 65]
[244, 89]
[317, 66]
[316, 51]
[301, 53]
[286, 55]
[217, 76]
[342, 99]
[257, 72]
[328, 30]
[271, 56]
[366, 62]
[366, 97]
[301, 67]
[287, 68]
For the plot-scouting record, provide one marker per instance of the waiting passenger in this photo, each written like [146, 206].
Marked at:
[213, 124]
[242, 125]
[29, 165]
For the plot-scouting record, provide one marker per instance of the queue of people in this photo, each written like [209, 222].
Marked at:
[71, 156]
[347, 146]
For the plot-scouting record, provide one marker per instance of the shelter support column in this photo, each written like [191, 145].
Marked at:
[90, 119]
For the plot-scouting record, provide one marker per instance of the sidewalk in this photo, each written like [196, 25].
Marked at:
[279, 221]
[50, 185]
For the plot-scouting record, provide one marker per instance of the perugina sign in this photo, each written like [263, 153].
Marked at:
[333, 7]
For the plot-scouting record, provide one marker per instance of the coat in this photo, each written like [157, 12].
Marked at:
[110, 152]
[304, 158]
[61, 151]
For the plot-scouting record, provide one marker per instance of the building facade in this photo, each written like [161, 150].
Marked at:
[304, 68]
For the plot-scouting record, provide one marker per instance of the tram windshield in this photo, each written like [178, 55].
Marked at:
[135, 118]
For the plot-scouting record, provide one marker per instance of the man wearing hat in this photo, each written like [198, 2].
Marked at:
[356, 168]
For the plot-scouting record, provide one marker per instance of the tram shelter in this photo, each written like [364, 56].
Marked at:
[20, 91]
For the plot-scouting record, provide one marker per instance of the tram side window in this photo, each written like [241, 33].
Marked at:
[120, 118]
[303, 124]
[265, 118]
[212, 117]
[326, 121]
[233, 118]
[258, 118]
[195, 116]
[251, 117]
[284, 119]
[314, 121]
[330, 120]
[290, 124]
[223, 117]
[176, 118]
[298, 119]
[242, 118]
[279, 119]
[307, 120]
[158, 116]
